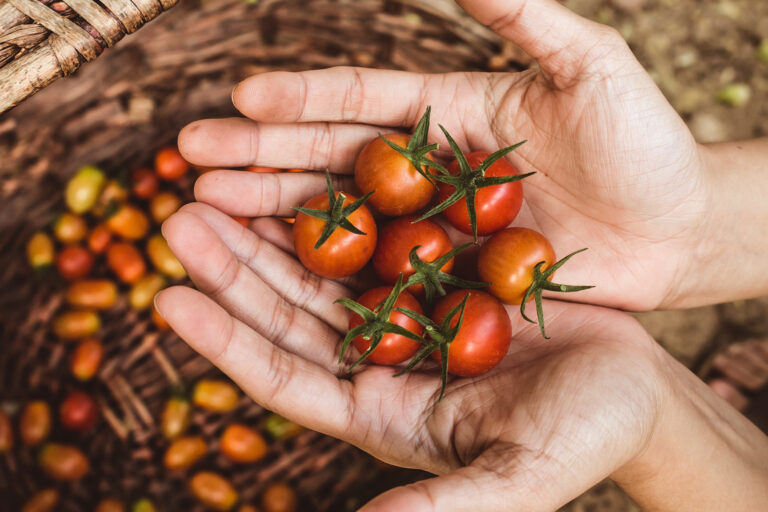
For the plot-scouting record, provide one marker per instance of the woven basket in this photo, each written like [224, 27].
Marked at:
[115, 113]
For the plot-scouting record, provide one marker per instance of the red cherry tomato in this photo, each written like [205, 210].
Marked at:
[400, 188]
[484, 337]
[79, 411]
[74, 262]
[507, 259]
[344, 253]
[144, 183]
[99, 238]
[393, 348]
[397, 239]
[169, 164]
[496, 206]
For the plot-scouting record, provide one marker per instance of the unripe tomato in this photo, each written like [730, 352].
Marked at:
[44, 501]
[279, 497]
[74, 262]
[184, 452]
[99, 238]
[111, 197]
[40, 252]
[163, 205]
[129, 222]
[507, 260]
[126, 262]
[281, 428]
[169, 164]
[63, 462]
[144, 183]
[6, 432]
[110, 505]
[83, 189]
[344, 253]
[213, 490]
[484, 337]
[176, 415]
[70, 228]
[144, 290]
[76, 324]
[35, 423]
[159, 321]
[393, 348]
[262, 169]
[93, 293]
[240, 443]
[86, 359]
[400, 188]
[215, 395]
[163, 258]
[144, 505]
[79, 411]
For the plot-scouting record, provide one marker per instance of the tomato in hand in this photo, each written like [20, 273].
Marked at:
[163, 205]
[144, 183]
[261, 169]
[143, 291]
[74, 262]
[64, 462]
[393, 348]
[169, 164]
[35, 423]
[79, 411]
[484, 337]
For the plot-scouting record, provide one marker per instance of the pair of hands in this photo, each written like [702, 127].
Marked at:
[616, 171]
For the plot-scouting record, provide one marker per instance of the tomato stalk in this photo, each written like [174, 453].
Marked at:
[541, 282]
[417, 149]
[469, 181]
[336, 214]
[440, 338]
[430, 275]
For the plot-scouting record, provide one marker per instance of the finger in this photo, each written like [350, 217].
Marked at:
[240, 142]
[739, 369]
[275, 231]
[729, 393]
[341, 94]
[274, 378]
[248, 194]
[216, 271]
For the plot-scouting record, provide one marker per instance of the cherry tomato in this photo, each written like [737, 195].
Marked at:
[176, 415]
[64, 462]
[242, 444]
[79, 411]
[6, 432]
[243, 221]
[247, 508]
[159, 321]
[110, 505]
[484, 337]
[111, 197]
[213, 490]
[262, 169]
[281, 428]
[40, 252]
[295, 170]
[83, 189]
[142, 294]
[44, 501]
[128, 222]
[86, 359]
[35, 423]
[77, 324]
[393, 348]
[496, 206]
[400, 188]
[279, 497]
[143, 505]
[215, 395]
[74, 262]
[126, 262]
[70, 228]
[344, 253]
[169, 164]
[507, 260]
[163, 205]
[93, 293]
[163, 258]
[397, 239]
[184, 452]
[99, 238]
[144, 183]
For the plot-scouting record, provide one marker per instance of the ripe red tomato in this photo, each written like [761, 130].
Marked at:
[344, 253]
[169, 164]
[397, 239]
[496, 206]
[144, 183]
[484, 337]
[74, 262]
[99, 238]
[507, 259]
[79, 411]
[393, 348]
[400, 188]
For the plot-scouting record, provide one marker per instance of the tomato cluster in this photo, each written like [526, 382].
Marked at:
[467, 330]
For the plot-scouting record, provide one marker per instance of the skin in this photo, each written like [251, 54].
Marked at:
[617, 171]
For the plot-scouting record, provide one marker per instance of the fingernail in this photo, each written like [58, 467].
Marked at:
[154, 302]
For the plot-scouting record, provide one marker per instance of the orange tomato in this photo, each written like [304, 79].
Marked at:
[163, 258]
[184, 452]
[126, 262]
[77, 324]
[99, 238]
[40, 251]
[242, 444]
[86, 359]
[215, 395]
[129, 222]
[279, 497]
[63, 462]
[163, 205]
[144, 183]
[213, 490]
[44, 501]
[70, 228]
[93, 293]
[35, 423]
[74, 262]
[169, 164]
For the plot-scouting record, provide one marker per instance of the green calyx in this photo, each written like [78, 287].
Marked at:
[433, 279]
[540, 283]
[336, 216]
[439, 337]
[468, 181]
[417, 149]
[375, 323]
